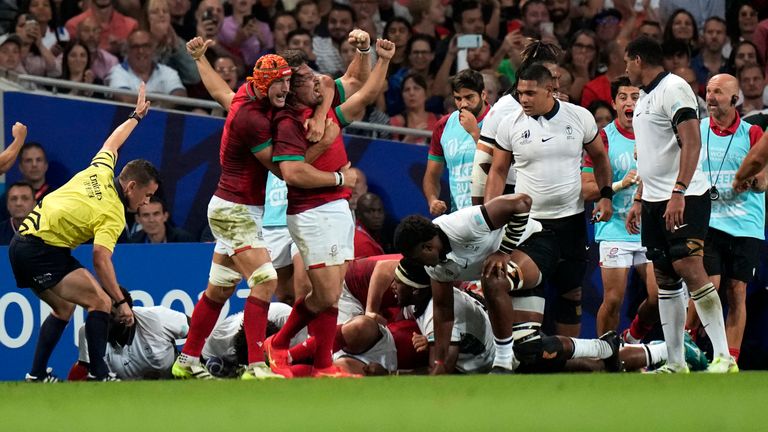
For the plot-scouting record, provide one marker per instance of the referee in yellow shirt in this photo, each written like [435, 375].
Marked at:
[90, 206]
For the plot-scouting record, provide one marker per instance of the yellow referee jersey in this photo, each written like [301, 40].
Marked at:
[87, 207]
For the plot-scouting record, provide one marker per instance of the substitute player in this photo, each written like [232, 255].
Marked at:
[91, 205]
[674, 200]
[620, 250]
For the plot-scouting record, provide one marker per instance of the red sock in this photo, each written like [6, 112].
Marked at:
[255, 324]
[201, 325]
[301, 370]
[304, 350]
[338, 340]
[323, 327]
[638, 330]
[735, 353]
[79, 372]
[298, 319]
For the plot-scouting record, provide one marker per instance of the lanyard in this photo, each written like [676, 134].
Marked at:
[709, 161]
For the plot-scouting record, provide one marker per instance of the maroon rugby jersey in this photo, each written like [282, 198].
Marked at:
[247, 131]
[358, 279]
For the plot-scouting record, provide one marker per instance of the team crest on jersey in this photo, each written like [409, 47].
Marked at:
[569, 132]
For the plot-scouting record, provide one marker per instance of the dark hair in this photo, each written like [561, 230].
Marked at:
[157, 199]
[647, 49]
[468, 79]
[297, 32]
[21, 184]
[599, 103]
[303, 3]
[730, 65]
[651, 23]
[536, 72]
[674, 47]
[528, 4]
[417, 78]
[462, 6]
[53, 23]
[420, 37]
[592, 67]
[279, 15]
[668, 35]
[412, 231]
[240, 344]
[400, 20]
[141, 171]
[65, 63]
[749, 66]
[622, 81]
[414, 271]
[32, 145]
[718, 19]
[294, 57]
[335, 6]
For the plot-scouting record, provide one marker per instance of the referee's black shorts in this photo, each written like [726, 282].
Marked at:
[38, 265]
[654, 234]
[731, 257]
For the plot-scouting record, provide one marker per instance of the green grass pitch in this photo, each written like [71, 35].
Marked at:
[563, 403]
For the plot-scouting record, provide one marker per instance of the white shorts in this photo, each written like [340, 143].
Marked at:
[622, 254]
[236, 227]
[324, 235]
[383, 353]
[349, 305]
[280, 245]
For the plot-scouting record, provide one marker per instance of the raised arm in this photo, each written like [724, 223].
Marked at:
[354, 107]
[122, 132]
[216, 86]
[359, 69]
[8, 156]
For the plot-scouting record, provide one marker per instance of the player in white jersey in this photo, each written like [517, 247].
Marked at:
[674, 201]
[547, 141]
[145, 350]
[536, 51]
[619, 250]
[510, 254]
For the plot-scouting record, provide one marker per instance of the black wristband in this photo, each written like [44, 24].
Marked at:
[124, 300]
[135, 116]
[678, 191]
[606, 192]
[685, 186]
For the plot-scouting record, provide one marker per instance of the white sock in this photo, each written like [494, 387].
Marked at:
[187, 360]
[657, 354]
[672, 314]
[591, 348]
[505, 354]
[710, 312]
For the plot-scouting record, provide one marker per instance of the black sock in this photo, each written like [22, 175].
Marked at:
[96, 328]
[50, 333]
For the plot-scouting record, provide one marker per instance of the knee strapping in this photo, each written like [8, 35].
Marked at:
[552, 358]
[527, 342]
[263, 274]
[568, 311]
[514, 276]
[223, 276]
[684, 248]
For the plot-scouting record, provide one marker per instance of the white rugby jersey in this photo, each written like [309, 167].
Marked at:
[471, 331]
[658, 149]
[547, 150]
[503, 108]
[221, 342]
[153, 350]
[471, 241]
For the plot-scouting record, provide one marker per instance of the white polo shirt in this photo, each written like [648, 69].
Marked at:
[503, 108]
[547, 150]
[163, 80]
[658, 149]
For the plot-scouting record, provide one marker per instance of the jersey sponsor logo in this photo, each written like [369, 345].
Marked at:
[92, 187]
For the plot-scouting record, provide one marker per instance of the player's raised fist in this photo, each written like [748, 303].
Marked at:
[385, 49]
[360, 39]
[19, 131]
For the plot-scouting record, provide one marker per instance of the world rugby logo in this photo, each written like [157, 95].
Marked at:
[527, 134]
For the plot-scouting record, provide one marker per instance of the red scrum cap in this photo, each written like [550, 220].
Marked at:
[267, 69]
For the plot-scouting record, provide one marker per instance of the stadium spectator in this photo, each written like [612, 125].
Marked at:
[677, 55]
[563, 25]
[428, 18]
[582, 60]
[183, 18]
[600, 87]
[307, 15]
[359, 189]
[602, 112]
[420, 53]
[752, 83]
[415, 116]
[228, 71]
[689, 76]
[744, 52]
[747, 23]
[41, 256]
[244, 33]
[368, 17]
[33, 165]
[140, 66]
[54, 34]
[35, 56]
[697, 13]
[737, 222]
[674, 202]
[76, 67]
[10, 53]
[607, 25]
[282, 24]
[681, 25]
[399, 31]
[492, 87]
[369, 223]
[651, 29]
[155, 227]
[341, 20]
[115, 27]
[300, 39]
[102, 61]
[533, 14]
[209, 16]
[710, 60]
[169, 49]
[453, 144]
[20, 200]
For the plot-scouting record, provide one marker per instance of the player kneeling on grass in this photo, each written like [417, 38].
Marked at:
[145, 350]
[511, 255]
[91, 205]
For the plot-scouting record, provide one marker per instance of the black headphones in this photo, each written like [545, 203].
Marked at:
[734, 99]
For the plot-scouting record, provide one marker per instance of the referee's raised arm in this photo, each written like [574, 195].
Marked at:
[122, 132]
